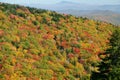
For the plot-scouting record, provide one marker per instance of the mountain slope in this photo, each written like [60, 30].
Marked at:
[38, 44]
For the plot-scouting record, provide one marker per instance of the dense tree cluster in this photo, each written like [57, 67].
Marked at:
[39, 44]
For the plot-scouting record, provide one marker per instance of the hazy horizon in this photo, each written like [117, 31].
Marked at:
[96, 2]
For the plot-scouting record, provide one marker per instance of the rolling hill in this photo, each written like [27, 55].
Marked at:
[107, 16]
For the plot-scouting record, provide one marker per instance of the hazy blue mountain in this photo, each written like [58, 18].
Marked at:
[107, 16]
[115, 8]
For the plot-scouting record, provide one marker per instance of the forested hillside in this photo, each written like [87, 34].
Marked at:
[37, 44]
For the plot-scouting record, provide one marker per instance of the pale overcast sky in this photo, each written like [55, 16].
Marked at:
[56, 1]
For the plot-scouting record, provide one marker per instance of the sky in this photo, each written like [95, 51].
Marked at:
[113, 2]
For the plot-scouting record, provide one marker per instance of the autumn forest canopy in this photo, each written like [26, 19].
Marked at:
[37, 44]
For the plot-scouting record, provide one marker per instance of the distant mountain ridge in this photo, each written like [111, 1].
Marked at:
[102, 15]
[108, 13]
[66, 5]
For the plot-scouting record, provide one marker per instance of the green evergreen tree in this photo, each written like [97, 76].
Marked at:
[110, 66]
[114, 73]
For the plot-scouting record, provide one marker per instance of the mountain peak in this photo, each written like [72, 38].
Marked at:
[67, 2]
